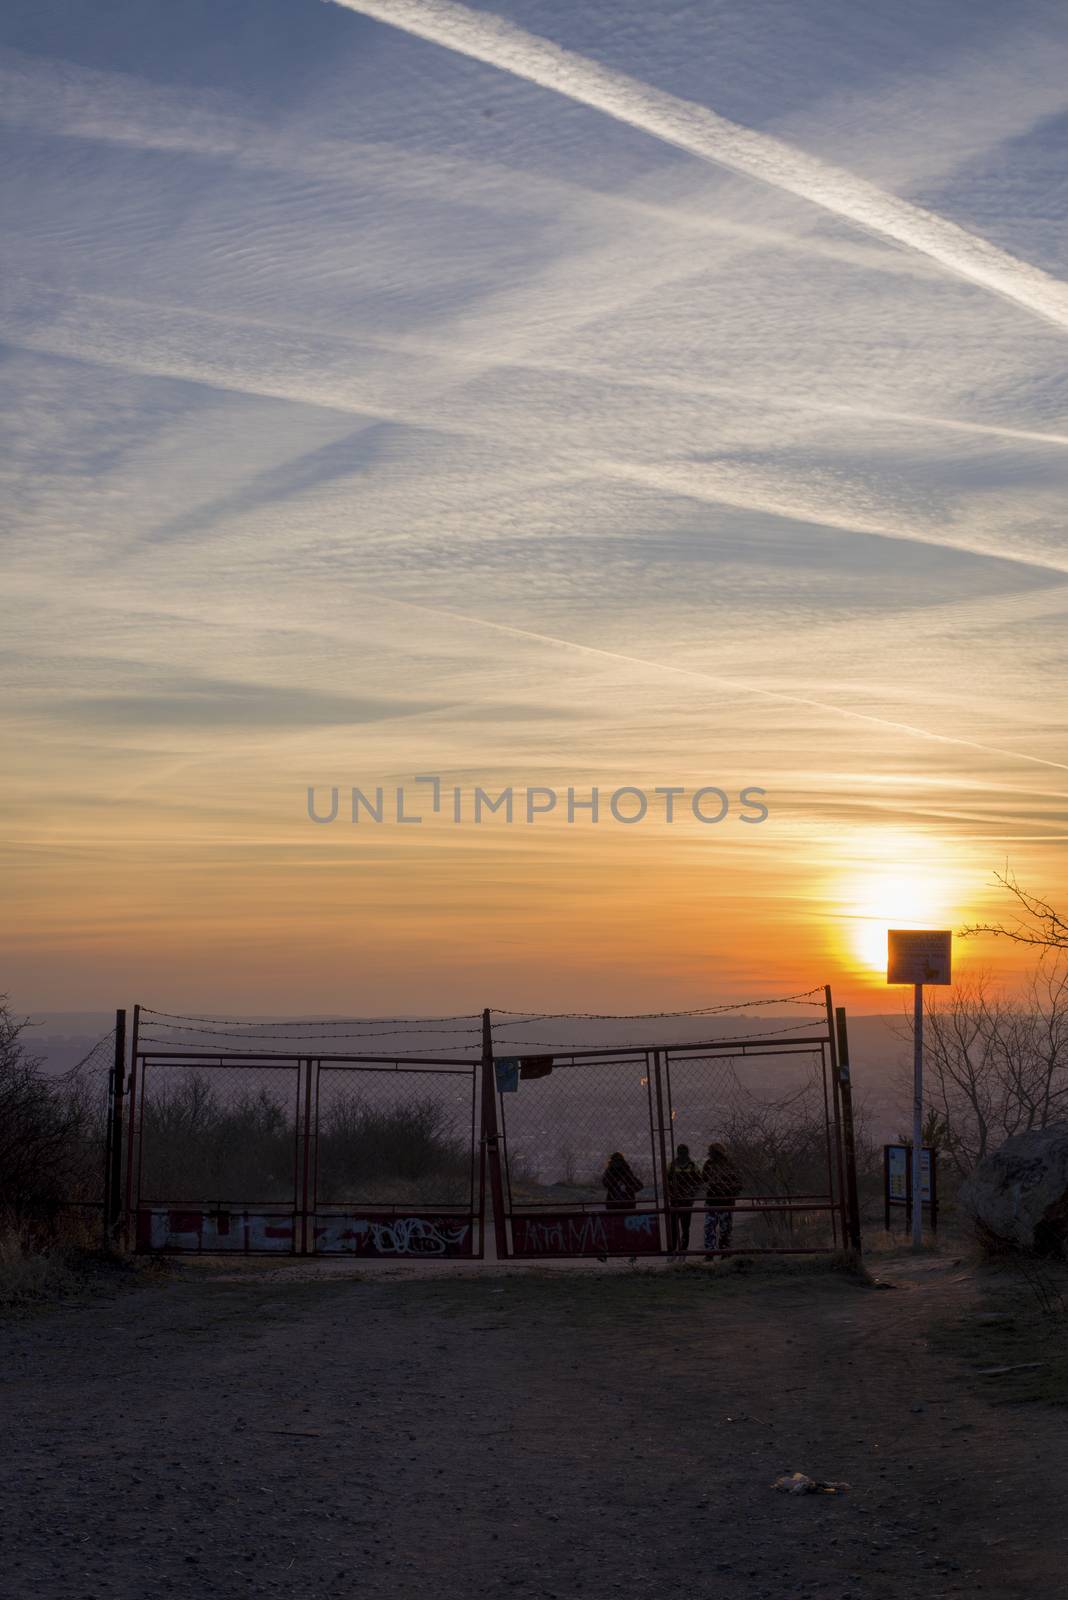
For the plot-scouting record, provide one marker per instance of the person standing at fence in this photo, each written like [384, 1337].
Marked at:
[723, 1185]
[621, 1183]
[683, 1182]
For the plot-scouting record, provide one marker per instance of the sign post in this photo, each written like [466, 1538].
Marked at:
[919, 957]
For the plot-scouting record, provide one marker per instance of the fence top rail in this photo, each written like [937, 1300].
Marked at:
[706, 1047]
[293, 1058]
[384, 1062]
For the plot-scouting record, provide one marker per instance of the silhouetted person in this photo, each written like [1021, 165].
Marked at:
[621, 1183]
[683, 1181]
[723, 1185]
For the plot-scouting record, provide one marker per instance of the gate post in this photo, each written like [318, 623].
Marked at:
[491, 1138]
[129, 1220]
[849, 1139]
[832, 1046]
[112, 1211]
[655, 1066]
[306, 1227]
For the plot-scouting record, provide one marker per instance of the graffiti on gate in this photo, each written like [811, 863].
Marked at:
[577, 1233]
[240, 1231]
[421, 1236]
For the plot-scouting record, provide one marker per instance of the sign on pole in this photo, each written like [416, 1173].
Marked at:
[918, 956]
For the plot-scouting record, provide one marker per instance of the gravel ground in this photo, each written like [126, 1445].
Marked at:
[210, 1432]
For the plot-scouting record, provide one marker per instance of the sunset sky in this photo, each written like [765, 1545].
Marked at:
[376, 409]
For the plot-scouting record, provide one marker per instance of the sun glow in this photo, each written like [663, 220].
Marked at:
[925, 893]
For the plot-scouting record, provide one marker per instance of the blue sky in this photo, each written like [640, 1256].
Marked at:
[351, 382]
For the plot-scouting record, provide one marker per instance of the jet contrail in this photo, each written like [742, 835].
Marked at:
[780, 696]
[705, 133]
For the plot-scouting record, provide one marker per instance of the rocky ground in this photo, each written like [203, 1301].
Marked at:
[207, 1431]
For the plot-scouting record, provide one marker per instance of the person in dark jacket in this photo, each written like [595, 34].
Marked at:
[723, 1185]
[683, 1182]
[621, 1183]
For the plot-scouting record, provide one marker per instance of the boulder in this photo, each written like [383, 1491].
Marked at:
[1018, 1196]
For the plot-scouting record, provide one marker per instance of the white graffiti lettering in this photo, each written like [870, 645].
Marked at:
[413, 1236]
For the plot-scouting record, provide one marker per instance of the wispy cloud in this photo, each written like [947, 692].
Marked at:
[704, 133]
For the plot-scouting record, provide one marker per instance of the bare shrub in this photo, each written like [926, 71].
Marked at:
[197, 1144]
[49, 1135]
[781, 1152]
[403, 1152]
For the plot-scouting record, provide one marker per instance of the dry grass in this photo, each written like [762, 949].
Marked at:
[35, 1271]
[28, 1275]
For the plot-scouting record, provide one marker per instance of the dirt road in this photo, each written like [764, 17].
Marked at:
[209, 1433]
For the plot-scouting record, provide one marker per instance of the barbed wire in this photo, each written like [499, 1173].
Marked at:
[99, 1055]
[661, 1016]
[296, 1050]
[309, 1033]
[293, 1022]
[251, 1033]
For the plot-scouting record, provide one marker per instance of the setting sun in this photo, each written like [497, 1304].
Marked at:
[908, 889]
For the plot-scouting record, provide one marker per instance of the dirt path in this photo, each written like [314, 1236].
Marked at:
[217, 1434]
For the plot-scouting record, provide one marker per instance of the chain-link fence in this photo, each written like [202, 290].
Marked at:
[264, 1153]
[253, 1135]
[394, 1136]
[623, 1153]
[769, 1110]
[215, 1133]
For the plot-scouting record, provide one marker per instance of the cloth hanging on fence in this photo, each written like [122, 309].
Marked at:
[536, 1066]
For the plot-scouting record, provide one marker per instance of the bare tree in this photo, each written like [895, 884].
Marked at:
[1035, 921]
[996, 1067]
[41, 1130]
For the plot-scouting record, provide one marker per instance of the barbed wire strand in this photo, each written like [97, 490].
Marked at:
[105, 1044]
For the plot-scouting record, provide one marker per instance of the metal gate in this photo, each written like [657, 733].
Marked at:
[325, 1155]
[773, 1104]
[389, 1156]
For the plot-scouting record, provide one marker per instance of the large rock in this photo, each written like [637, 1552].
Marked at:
[1018, 1197]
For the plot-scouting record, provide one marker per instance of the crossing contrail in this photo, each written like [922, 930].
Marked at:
[738, 685]
[706, 134]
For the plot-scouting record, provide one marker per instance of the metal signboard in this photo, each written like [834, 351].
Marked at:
[919, 955]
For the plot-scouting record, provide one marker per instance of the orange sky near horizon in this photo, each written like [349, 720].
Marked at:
[224, 910]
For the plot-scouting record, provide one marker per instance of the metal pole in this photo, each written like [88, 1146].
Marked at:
[113, 1157]
[917, 1118]
[852, 1192]
[491, 1137]
[130, 1221]
[661, 1188]
[306, 1162]
[832, 1046]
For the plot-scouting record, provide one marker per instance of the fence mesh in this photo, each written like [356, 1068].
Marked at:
[771, 1115]
[395, 1137]
[212, 1133]
[560, 1130]
[768, 1113]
